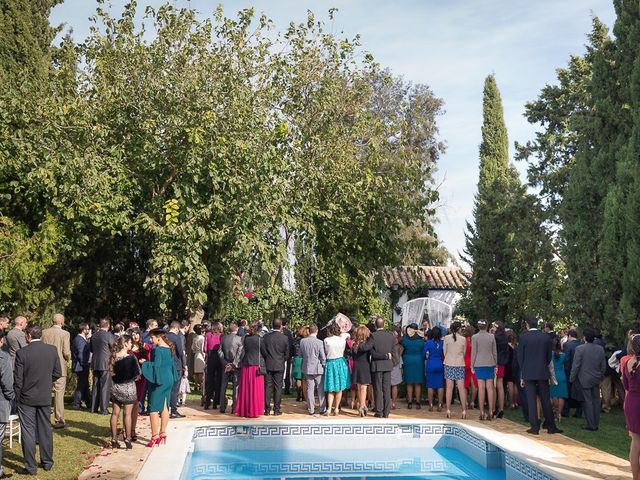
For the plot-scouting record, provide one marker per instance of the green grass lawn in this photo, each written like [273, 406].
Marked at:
[74, 447]
[611, 437]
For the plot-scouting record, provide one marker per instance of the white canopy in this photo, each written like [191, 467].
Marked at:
[435, 311]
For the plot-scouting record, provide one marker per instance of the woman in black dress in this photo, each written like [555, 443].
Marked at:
[361, 375]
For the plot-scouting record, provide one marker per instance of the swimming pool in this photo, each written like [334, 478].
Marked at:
[323, 449]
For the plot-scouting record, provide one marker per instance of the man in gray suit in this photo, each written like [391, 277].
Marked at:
[589, 367]
[100, 345]
[313, 361]
[7, 395]
[231, 350]
[381, 366]
[16, 338]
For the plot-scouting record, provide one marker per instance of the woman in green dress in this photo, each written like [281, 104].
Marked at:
[160, 372]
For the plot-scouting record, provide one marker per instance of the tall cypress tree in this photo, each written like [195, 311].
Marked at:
[507, 247]
[487, 241]
[621, 244]
[589, 286]
[25, 38]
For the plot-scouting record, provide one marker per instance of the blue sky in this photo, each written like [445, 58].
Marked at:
[450, 45]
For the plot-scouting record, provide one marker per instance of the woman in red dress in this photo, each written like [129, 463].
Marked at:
[140, 350]
[468, 331]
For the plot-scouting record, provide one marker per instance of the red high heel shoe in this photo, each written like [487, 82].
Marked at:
[162, 439]
[154, 441]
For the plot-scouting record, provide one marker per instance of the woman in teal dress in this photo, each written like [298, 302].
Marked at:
[560, 391]
[412, 363]
[160, 372]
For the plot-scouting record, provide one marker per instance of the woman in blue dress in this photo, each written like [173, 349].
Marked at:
[413, 366]
[160, 372]
[434, 369]
[560, 391]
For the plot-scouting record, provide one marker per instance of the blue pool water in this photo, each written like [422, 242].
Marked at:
[389, 463]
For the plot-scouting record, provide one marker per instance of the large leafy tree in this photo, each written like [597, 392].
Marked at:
[585, 199]
[559, 110]
[563, 111]
[620, 248]
[186, 159]
[585, 161]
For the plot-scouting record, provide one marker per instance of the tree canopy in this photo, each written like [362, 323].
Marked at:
[585, 160]
[173, 164]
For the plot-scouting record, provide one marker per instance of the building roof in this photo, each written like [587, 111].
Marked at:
[446, 278]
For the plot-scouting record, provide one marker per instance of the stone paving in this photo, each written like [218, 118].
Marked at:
[574, 460]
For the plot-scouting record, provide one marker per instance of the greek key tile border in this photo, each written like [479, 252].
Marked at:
[239, 431]
[297, 468]
[526, 469]
[322, 430]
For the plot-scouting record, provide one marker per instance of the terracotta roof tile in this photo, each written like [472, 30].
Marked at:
[449, 278]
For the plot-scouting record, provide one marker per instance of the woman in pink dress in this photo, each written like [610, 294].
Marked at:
[250, 401]
[213, 370]
[631, 383]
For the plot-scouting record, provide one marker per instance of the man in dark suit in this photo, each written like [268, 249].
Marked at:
[276, 348]
[534, 356]
[231, 350]
[381, 366]
[574, 400]
[100, 345]
[80, 353]
[287, 371]
[589, 367]
[521, 392]
[37, 367]
[175, 336]
[550, 331]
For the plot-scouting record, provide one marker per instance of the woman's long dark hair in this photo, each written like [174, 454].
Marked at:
[116, 348]
[435, 334]
[254, 328]
[170, 344]
[333, 330]
[455, 326]
[139, 343]
[360, 337]
[557, 347]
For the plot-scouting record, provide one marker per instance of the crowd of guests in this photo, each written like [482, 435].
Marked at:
[31, 368]
[487, 368]
[146, 372]
[138, 372]
[128, 367]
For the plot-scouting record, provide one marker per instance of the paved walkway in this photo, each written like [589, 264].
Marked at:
[574, 460]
